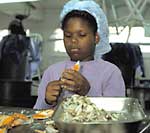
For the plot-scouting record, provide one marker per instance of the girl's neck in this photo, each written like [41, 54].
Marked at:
[87, 59]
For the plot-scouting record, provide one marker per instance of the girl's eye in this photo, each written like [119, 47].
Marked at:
[67, 35]
[82, 34]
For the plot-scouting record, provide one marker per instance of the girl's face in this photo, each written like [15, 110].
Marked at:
[79, 39]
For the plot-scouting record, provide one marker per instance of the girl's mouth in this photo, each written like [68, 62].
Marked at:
[75, 51]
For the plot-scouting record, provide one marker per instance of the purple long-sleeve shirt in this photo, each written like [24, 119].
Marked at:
[105, 80]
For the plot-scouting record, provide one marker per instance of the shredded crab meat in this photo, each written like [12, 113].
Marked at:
[81, 109]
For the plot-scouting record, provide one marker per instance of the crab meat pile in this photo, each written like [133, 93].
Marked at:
[81, 109]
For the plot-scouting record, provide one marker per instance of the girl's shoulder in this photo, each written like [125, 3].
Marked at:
[107, 65]
[54, 70]
[56, 66]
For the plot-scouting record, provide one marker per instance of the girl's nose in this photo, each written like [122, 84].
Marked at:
[74, 40]
[74, 43]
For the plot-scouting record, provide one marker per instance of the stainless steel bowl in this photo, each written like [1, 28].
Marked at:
[132, 115]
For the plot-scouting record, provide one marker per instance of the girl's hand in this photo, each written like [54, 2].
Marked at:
[75, 81]
[53, 90]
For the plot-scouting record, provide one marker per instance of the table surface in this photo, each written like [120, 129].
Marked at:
[29, 128]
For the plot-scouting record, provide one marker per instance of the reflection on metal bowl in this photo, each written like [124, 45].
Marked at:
[129, 107]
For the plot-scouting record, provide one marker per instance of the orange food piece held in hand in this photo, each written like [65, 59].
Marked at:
[76, 67]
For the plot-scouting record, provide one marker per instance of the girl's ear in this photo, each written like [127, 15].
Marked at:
[97, 38]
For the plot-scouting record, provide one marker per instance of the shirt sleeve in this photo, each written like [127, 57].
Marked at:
[40, 102]
[114, 84]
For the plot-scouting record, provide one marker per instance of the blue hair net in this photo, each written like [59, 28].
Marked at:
[94, 9]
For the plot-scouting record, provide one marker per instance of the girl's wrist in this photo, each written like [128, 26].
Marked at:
[84, 91]
[50, 102]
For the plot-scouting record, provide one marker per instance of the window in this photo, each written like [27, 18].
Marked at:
[57, 37]
[59, 46]
[145, 48]
[137, 35]
[3, 33]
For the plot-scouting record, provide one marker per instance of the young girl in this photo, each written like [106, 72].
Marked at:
[86, 38]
